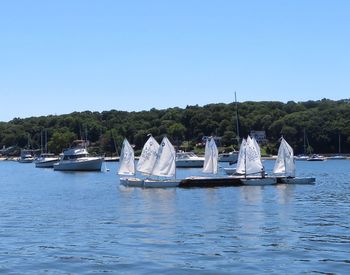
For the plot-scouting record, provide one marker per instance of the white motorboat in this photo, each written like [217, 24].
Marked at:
[316, 158]
[26, 156]
[230, 157]
[188, 160]
[77, 159]
[46, 160]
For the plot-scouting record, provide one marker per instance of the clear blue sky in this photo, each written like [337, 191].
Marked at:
[62, 56]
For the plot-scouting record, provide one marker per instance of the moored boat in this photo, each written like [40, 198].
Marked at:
[77, 158]
[26, 156]
[188, 160]
[46, 160]
[316, 158]
[230, 157]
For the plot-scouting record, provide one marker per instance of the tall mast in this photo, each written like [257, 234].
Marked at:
[41, 141]
[304, 142]
[46, 141]
[237, 122]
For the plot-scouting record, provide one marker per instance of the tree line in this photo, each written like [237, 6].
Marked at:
[325, 122]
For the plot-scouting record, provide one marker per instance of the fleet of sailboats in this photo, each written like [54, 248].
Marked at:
[157, 162]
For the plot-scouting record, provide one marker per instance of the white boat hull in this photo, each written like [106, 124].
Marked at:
[81, 164]
[46, 163]
[149, 183]
[230, 171]
[131, 182]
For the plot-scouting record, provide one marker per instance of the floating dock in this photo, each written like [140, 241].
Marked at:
[210, 182]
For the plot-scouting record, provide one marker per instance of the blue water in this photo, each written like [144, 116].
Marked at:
[85, 223]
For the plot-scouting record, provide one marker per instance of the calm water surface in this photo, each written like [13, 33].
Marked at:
[74, 223]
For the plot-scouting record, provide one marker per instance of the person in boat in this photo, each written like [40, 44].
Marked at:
[263, 172]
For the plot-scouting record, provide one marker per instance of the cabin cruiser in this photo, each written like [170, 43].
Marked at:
[188, 160]
[230, 157]
[77, 158]
[26, 156]
[46, 160]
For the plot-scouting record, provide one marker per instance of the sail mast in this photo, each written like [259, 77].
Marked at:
[237, 122]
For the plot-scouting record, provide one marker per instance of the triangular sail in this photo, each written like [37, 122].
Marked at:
[285, 163]
[240, 168]
[127, 160]
[148, 156]
[165, 164]
[253, 162]
[257, 147]
[210, 157]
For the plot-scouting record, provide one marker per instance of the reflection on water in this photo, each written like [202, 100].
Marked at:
[61, 223]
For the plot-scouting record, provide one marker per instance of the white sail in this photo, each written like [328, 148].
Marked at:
[210, 157]
[240, 168]
[165, 164]
[253, 163]
[285, 163]
[257, 147]
[148, 156]
[127, 160]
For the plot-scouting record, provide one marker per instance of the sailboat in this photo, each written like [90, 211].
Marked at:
[284, 168]
[46, 159]
[285, 163]
[127, 165]
[240, 161]
[210, 157]
[145, 164]
[210, 165]
[339, 156]
[252, 165]
[164, 167]
[232, 157]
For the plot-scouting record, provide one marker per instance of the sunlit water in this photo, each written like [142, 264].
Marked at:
[74, 223]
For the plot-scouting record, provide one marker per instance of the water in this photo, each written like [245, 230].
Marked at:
[85, 223]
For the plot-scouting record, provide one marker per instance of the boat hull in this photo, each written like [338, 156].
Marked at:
[46, 163]
[88, 164]
[149, 183]
[131, 182]
[229, 157]
[26, 160]
[230, 171]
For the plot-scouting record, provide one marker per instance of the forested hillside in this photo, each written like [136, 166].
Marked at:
[325, 123]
